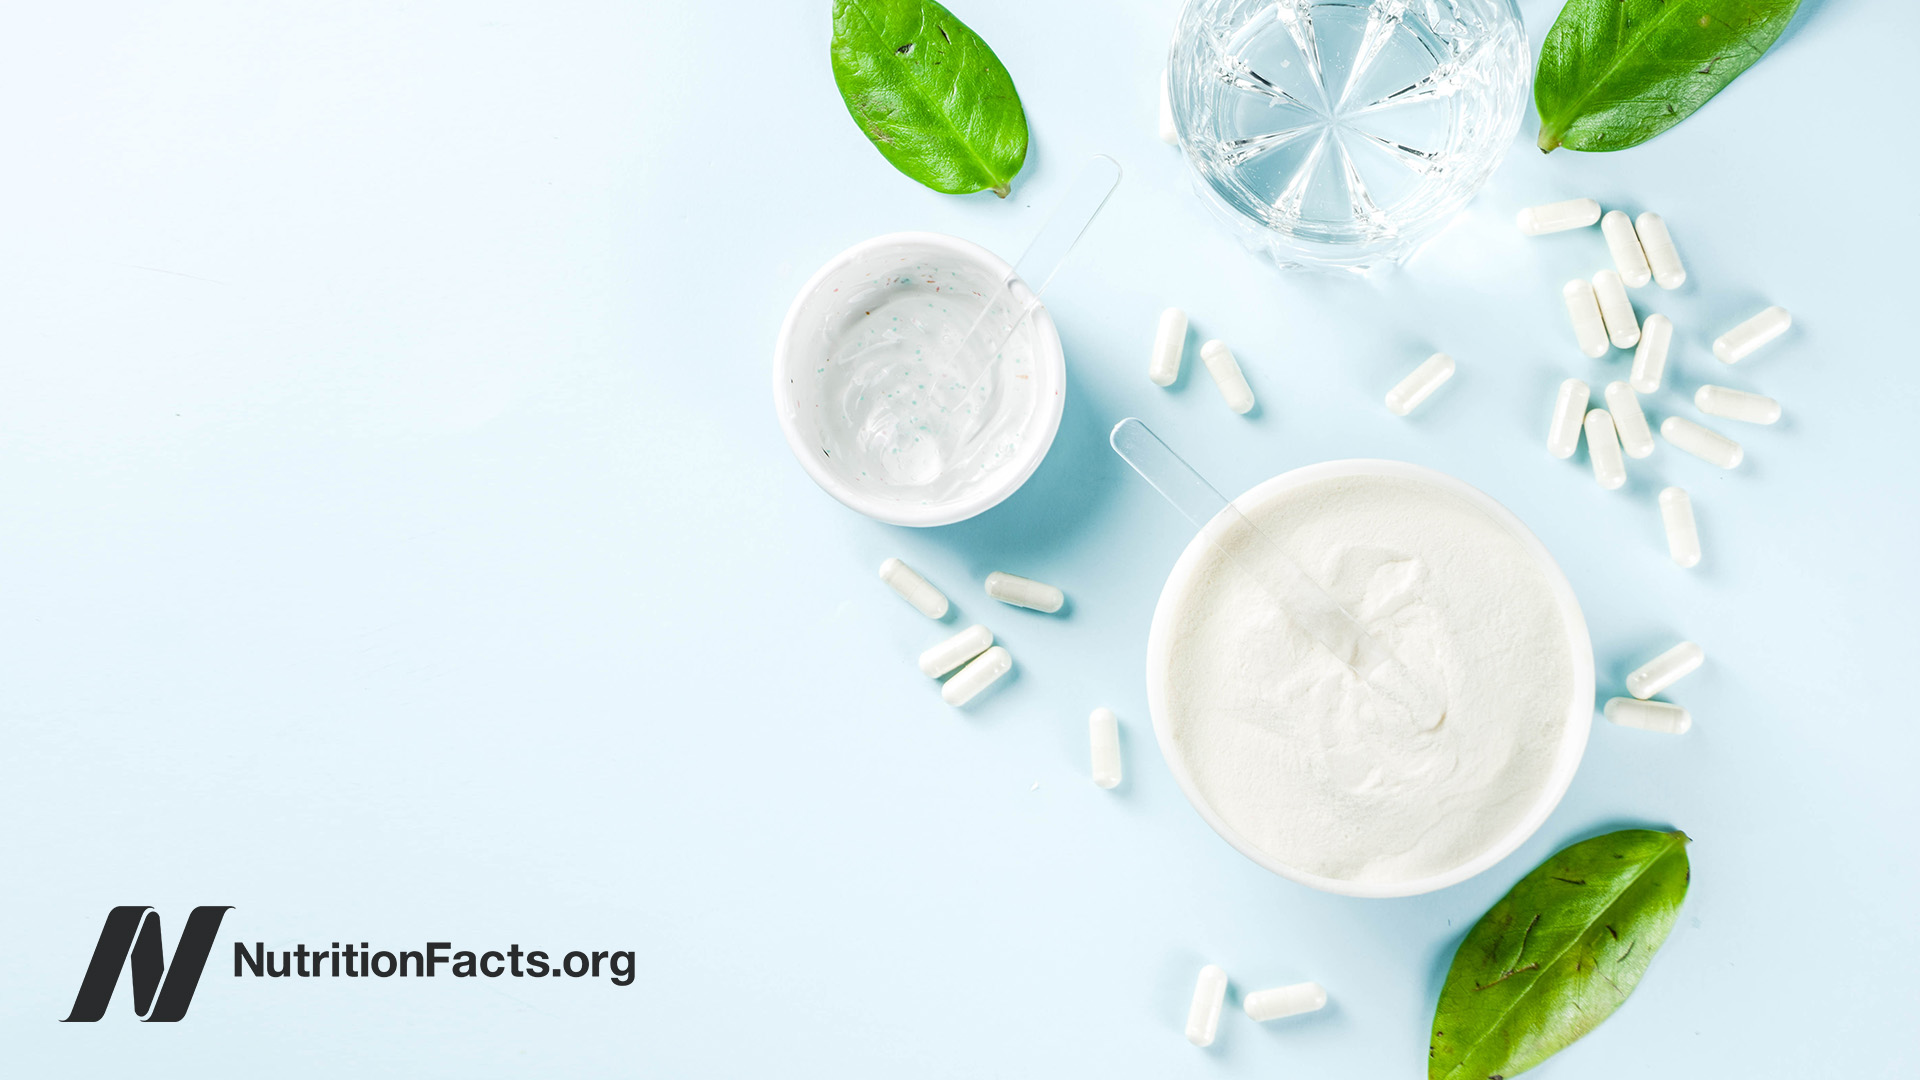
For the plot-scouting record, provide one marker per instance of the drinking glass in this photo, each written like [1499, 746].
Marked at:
[1341, 134]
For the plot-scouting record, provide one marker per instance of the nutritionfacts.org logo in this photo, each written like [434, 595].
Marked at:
[162, 990]
[345, 961]
[131, 938]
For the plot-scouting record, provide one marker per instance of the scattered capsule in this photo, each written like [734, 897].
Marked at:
[1603, 449]
[1649, 715]
[1569, 409]
[1624, 244]
[1424, 380]
[983, 671]
[955, 651]
[1704, 443]
[1169, 132]
[914, 589]
[1739, 343]
[1209, 994]
[1168, 345]
[1024, 592]
[1285, 1001]
[1683, 537]
[1227, 376]
[1662, 257]
[1584, 309]
[1733, 404]
[1558, 217]
[1104, 730]
[1666, 669]
[1650, 359]
[1629, 420]
[1616, 311]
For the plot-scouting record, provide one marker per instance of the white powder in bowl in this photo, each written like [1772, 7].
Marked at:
[1290, 749]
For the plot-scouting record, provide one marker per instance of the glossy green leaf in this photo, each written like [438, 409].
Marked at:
[1557, 954]
[1615, 73]
[929, 93]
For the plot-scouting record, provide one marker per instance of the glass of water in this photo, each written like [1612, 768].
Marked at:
[1341, 134]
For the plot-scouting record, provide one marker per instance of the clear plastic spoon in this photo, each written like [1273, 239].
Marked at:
[1304, 601]
[1037, 266]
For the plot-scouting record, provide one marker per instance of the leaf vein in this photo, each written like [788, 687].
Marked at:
[1467, 1052]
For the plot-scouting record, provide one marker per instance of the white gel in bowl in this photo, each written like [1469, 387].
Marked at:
[883, 406]
[1286, 753]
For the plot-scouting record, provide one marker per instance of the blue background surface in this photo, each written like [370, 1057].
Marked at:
[398, 545]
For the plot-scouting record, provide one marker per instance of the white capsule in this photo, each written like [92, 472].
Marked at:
[1103, 728]
[1209, 994]
[1284, 1001]
[1169, 132]
[1624, 245]
[1169, 342]
[1662, 257]
[982, 672]
[1584, 309]
[1733, 404]
[1558, 217]
[1683, 537]
[1649, 715]
[1666, 669]
[1024, 592]
[1569, 409]
[1603, 449]
[1629, 420]
[1738, 343]
[1650, 359]
[1615, 309]
[1704, 443]
[1424, 380]
[1227, 376]
[955, 651]
[914, 589]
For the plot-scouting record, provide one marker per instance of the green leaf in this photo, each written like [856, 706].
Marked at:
[930, 94]
[1615, 73]
[1557, 954]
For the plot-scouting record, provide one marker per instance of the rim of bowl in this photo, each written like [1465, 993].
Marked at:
[1573, 740]
[1049, 358]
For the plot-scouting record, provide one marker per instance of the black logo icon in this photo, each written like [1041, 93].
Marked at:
[131, 938]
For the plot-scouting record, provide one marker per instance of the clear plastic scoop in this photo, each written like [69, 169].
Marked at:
[1045, 254]
[1304, 601]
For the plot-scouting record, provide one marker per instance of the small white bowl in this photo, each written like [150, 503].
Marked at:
[798, 352]
[1573, 741]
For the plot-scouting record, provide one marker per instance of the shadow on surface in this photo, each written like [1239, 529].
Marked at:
[1809, 11]
[1056, 503]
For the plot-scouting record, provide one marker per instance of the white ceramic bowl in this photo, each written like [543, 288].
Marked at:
[1579, 717]
[798, 353]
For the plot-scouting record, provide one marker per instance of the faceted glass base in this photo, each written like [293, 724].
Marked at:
[1342, 133]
